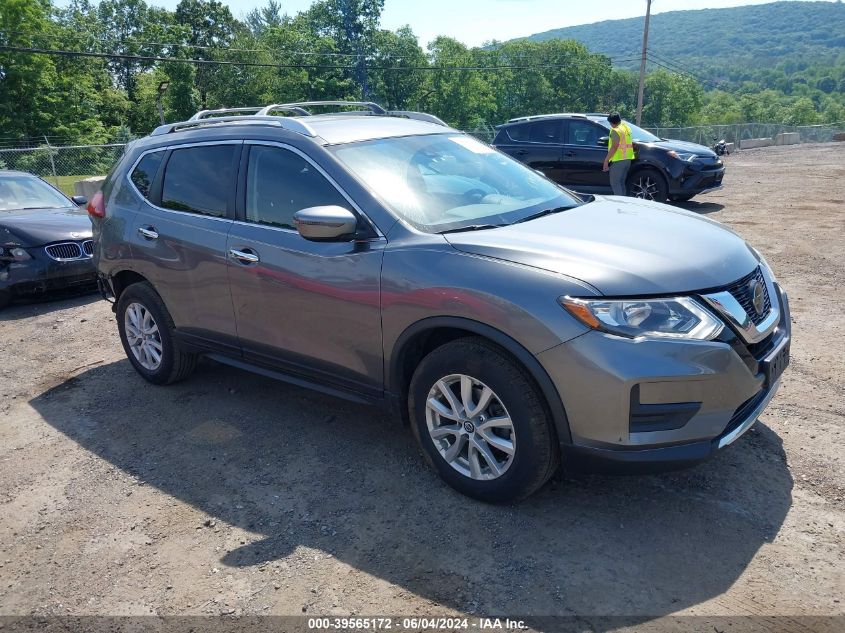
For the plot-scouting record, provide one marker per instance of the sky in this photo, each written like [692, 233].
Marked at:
[474, 22]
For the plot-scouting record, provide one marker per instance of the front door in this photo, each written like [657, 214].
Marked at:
[308, 308]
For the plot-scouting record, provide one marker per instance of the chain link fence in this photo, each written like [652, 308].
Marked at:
[63, 165]
[734, 133]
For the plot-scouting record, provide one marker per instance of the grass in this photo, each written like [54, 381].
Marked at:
[65, 183]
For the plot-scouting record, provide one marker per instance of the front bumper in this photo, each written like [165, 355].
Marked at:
[699, 396]
[693, 181]
[43, 274]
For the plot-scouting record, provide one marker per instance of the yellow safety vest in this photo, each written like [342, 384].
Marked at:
[625, 150]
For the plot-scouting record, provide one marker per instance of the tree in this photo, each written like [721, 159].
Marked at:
[209, 27]
[671, 99]
[353, 25]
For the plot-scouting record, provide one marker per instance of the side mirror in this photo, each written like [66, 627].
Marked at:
[603, 140]
[80, 201]
[326, 224]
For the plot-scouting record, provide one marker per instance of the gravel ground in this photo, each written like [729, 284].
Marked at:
[233, 494]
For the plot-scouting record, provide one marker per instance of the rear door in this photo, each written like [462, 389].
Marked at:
[538, 144]
[308, 308]
[178, 237]
[583, 156]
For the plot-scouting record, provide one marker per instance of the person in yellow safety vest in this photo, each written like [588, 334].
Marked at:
[620, 154]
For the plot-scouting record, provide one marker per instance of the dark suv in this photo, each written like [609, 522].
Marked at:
[386, 258]
[570, 149]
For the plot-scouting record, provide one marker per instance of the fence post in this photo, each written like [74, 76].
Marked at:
[52, 163]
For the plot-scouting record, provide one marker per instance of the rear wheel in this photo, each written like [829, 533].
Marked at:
[146, 331]
[648, 184]
[481, 422]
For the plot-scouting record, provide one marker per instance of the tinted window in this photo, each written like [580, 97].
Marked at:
[145, 172]
[280, 183]
[585, 133]
[545, 131]
[199, 179]
[519, 132]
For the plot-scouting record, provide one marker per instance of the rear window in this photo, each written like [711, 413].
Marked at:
[144, 173]
[200, 179]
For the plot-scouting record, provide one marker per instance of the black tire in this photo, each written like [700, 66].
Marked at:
[175, 364]
[536, 453]
[648, 184]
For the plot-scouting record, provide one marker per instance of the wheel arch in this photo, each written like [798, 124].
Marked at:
[121, 280]
[420, 338]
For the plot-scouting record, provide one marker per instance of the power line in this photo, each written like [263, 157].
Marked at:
[212, 62]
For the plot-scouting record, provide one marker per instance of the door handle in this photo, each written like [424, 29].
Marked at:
[569, 153]
[244, 256]
[521, 152]
[148, 232]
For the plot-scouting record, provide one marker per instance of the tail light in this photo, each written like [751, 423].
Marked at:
[97, 206]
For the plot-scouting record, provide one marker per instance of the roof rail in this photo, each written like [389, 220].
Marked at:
[576, 115]
[302, 105]
[288, 123]
[209, 113]
[419, 116]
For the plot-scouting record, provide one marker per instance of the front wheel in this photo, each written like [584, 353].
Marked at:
[648, 184]
[146, 331]
[481, 422]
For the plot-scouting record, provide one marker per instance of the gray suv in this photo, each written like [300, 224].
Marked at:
[386, 258]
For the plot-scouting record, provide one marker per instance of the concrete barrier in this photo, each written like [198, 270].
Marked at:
[89, 186]
[750, 143]
[787, 138]
[731, 147]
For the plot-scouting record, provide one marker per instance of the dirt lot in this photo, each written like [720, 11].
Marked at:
[233, 494]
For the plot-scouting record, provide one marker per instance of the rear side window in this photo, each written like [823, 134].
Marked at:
[199, 179]
[144, 173]
[518, 132]
[545, 131]
[280, 183]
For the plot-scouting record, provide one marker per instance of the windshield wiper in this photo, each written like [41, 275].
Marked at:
[471, 227]
[540, 214]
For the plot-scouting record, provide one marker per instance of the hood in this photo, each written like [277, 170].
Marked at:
[683, 146]
[622, 247]
[34, 227]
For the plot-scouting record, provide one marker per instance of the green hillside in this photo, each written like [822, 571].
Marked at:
[767, 34]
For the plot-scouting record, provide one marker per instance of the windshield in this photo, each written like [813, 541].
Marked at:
[447, 182]
[28, 192]
[637, 133]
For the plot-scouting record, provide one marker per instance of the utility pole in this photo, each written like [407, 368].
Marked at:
[642, 65]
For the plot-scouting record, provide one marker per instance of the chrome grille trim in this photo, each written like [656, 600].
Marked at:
[729, 306]
[70, 251]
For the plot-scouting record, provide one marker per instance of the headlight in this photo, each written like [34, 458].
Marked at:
[677, 317]
[14, 254]
[682, 155]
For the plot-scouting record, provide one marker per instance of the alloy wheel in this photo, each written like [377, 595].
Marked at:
[143, 336]
[645, 187]
[470, 427]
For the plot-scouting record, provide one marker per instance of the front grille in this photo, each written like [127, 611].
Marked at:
[88, 247]
[65, 250]
[741, 291]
